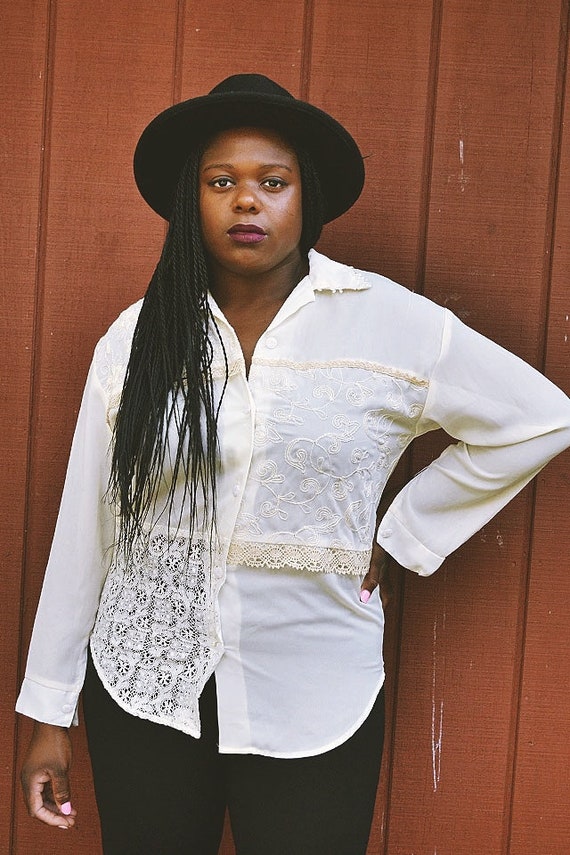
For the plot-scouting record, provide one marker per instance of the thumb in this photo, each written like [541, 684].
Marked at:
[61, 791]
[376, 572]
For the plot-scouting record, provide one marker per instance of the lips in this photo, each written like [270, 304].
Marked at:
[247, 233]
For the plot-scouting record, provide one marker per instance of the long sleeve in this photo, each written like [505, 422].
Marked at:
[509, 420]
[75, 573]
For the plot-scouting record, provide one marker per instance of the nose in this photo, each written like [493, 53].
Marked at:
[246, 199]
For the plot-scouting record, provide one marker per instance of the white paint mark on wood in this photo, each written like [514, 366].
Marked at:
[436, 714]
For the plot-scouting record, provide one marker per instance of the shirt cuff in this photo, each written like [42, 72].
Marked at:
[395, 539]
[49, 704]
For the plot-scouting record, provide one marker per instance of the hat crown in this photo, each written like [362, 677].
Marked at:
[247, 100]
[250, 84]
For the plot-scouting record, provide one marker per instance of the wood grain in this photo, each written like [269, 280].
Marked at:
[541, 797]
[488, 219]
[23, 50]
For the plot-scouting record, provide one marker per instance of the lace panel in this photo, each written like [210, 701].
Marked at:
[155, 641]
[326, 439]
[113, 351]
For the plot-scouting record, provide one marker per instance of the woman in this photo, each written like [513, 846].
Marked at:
[217, 546]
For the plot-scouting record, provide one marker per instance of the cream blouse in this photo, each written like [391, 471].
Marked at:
[349, 372]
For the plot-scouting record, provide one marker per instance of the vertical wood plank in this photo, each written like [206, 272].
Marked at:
[541, 816]
[23, 41]
[112, 66]
[217, 44]
[370, 67]
[488, 222]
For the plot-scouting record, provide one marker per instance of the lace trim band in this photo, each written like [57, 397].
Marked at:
[315, 559]
[362, 364]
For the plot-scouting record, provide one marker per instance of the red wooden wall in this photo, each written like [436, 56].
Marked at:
[460, 107]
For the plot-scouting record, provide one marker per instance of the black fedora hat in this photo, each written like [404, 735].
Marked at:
[244, 100]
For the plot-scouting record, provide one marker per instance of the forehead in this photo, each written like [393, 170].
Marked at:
[262, 143]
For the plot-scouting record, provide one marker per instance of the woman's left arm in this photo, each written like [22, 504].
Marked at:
[509, 421]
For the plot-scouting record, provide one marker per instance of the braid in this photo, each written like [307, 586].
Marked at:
[168, 380]
[168, 383]
[312, 202]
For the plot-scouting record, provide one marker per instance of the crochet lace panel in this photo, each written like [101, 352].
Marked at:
[155, 640]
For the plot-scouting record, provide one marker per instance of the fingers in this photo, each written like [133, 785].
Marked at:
[369, 585]
[46, 816]
[376, 576]
[45, 779]
[47, 798]
[62, 799]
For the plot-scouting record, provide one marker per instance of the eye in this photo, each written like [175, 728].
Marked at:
[274, 183]
[221, 183]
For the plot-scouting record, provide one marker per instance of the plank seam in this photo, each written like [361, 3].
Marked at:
[307, 49]
[429, 145]
[423, 228]
[36, 356]
[549, 251]
[178, 60]
[554, 176]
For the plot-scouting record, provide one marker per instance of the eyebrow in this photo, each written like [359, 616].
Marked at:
[231, 166]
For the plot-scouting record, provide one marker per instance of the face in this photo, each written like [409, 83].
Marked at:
[250, 202]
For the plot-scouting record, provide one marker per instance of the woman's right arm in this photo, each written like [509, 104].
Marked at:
[45, 778]
[66, 612]
[76, 571]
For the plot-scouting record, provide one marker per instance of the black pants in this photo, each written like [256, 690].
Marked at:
[161, 792]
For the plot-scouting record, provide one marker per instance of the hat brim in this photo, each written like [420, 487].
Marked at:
[167, 141]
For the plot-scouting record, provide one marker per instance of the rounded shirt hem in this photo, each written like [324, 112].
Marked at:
[297, 755]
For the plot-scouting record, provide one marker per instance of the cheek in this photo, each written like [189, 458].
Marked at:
[293, 217]
[289, 213]
[207, 220]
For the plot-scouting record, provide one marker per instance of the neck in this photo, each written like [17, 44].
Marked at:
[234, 289]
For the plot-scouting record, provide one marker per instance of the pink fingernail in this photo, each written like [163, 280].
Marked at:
[66, 808]
[364, 596]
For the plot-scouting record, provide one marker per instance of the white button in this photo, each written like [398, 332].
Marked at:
[271, 342]
[386, 533]
[218, 572]
[236, 490]
[66, 708]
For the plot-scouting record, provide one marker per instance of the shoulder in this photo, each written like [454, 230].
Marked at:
[366, 315]
[113, 349]
[386, 299]
[329, 275]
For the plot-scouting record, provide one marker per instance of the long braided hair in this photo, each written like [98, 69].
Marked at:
[169, 375]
